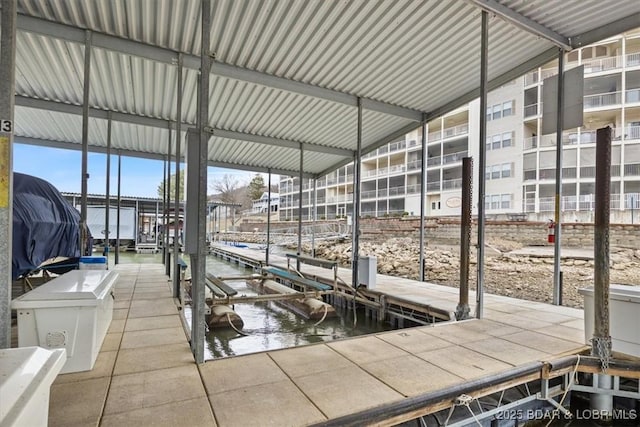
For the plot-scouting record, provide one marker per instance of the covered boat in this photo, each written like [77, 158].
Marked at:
[45, 226]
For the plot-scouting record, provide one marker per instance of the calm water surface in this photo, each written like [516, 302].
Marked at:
[268, 326]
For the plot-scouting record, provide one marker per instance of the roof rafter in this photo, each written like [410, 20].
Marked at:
[521, 21]
[159, 54]
[61, 107]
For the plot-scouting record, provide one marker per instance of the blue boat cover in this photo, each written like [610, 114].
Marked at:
[45, 224]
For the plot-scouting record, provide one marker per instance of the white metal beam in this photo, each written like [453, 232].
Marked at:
[521, 21]
[130, 47]
[65, 145]
[42, 104]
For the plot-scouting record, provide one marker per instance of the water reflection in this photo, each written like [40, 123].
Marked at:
[269, 326]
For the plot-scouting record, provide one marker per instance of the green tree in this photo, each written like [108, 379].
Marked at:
[172, 189]
[256, 187]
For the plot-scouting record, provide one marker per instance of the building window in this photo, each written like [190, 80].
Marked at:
[497, 111]
[495, 172]
[506, 170]
[435, 205]
[507, 108]
[497, 142]
[488, 114]
[505, 201]
[506, 139]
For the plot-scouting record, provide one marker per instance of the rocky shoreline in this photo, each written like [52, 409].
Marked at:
[526, 277]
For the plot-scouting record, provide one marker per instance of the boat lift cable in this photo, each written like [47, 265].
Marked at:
[234, 328]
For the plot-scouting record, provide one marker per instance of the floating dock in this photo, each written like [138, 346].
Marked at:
[145, 372]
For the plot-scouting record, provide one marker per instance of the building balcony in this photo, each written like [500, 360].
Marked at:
[602, 64]
[396, 191]
[602, 100]
[415, 165]
[531, 110]
[530, 143]
[413, 188]
[451, 184]
[434, 161]
[633, 59]
[448, 133]
[453, 157]
[433, 187]
[368, 194]
[397, 146]
[395, 169]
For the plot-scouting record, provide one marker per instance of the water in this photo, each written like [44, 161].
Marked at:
[268, 326]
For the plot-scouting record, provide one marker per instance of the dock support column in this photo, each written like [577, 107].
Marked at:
[107, 209]
[557, 275]
[423, 192]
[85, 143]
[355, 234]
[601, 342]
[176, 243]
[301, 174]
[198, 257]
[314, 218]
[7, 104]
[484, 52]
[462, 311]
[266, 254]
[166, 208]
[117, 258]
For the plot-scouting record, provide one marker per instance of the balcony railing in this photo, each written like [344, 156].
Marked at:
[632, 96]
[602, 100]
[633, 59]
[453, 157]
[382, 192]
[633, 132]
[434, 161]
[397, 169]
[632, 170]
[369, 194]
[530, 175]
[396, 191]
[632, 201]
[602, 64]
[397, 146]
[585, 202]
[530, 110]
[448, 132]
[529, 143]
[451, 184]
[413, 188]
[433, 186]
[415, 164]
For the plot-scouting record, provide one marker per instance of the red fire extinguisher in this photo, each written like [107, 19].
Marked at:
[551, 236]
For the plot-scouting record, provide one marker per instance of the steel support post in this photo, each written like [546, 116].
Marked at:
[198, 261]
[423, 192]
[355, 234]
[85, 143]
[301, 175]
[167, 208]
[314, 219]
[462, 311]
[176, 241]
[117, 258]
[484, 54]
[155, 225]
[558, 219]
[266, 254]
[7, 103]
[107, 209]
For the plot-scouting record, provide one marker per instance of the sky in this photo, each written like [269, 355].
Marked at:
[140, 177]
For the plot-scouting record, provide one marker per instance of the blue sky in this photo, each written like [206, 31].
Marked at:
[62, 168]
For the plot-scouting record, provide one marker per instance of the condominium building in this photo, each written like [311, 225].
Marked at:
[520, 161]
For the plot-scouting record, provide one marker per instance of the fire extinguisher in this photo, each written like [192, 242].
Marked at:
[551, 236]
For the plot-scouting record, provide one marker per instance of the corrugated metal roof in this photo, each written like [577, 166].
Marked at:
[419, 54]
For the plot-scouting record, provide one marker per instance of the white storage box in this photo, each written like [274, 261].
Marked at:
[26, 375]
[367, 271]
[72, 311]
[624, 317]
[92, 263]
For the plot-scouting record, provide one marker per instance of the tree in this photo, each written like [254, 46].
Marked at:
[256, 187]
[226, 189]
[172, 190]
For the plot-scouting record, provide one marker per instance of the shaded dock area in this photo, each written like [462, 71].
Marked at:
[145, 373]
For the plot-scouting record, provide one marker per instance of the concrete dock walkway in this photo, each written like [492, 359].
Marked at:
[146, 375]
